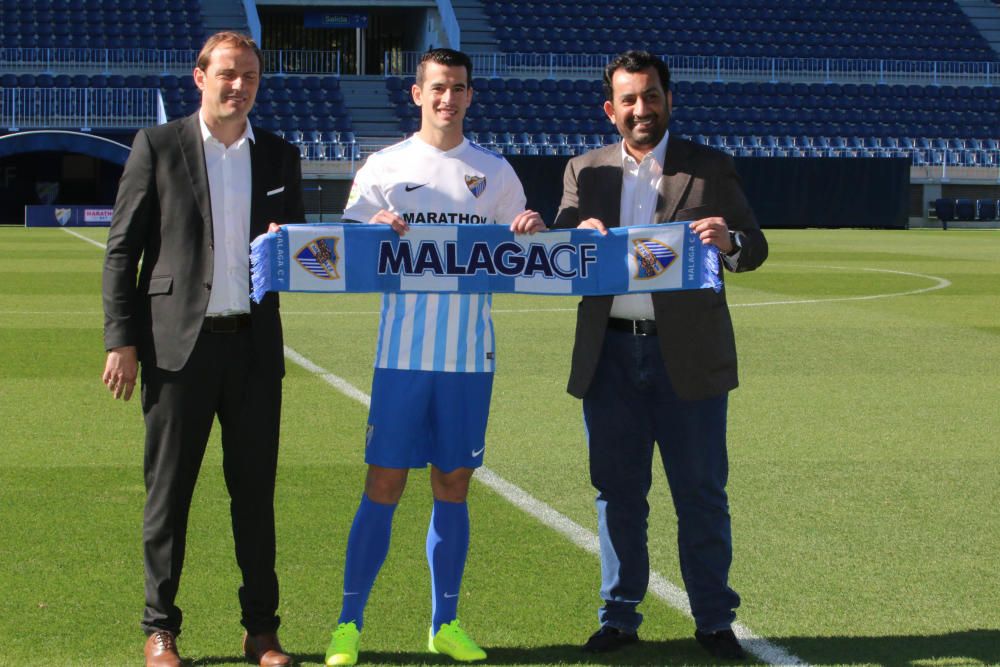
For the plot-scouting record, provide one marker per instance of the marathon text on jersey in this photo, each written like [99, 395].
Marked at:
[445, 218]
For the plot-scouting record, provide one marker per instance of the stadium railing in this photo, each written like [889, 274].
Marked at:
[83, 108]
[161, 61]
[105, 61]
[724, 68]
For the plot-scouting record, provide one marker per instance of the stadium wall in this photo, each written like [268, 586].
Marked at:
[784, 192]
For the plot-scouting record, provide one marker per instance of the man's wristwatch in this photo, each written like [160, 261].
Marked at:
[735, 238]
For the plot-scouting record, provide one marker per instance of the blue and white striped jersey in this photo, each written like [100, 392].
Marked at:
[467, 184]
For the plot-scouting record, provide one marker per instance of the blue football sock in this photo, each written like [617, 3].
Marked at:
[447, 547]
[367, 547]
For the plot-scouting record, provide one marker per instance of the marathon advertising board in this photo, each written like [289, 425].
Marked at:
[67, 216]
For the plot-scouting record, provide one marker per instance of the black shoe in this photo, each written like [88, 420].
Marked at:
[721, 644]
[609, 638]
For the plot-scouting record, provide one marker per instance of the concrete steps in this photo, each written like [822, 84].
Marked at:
[217, 15]
[368, 103]
[478, 35]
[985, 16]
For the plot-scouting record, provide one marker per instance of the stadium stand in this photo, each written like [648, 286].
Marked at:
[867, 29]
[115, 49]
[749, 118]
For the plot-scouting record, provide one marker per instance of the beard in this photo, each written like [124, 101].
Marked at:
[650, 133]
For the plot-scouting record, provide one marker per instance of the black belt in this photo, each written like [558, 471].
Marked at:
[634, 327]
[226, 324]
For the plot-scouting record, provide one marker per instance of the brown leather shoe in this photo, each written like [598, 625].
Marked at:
[161, 650]
[265, 650]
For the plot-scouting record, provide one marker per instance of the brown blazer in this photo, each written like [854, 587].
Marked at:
[694, 327]
[163, 215]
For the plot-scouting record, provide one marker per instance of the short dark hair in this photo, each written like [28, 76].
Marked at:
[635, 61]
[228, 38]
[447, 57]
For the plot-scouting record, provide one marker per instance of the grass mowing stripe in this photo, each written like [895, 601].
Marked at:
[583, 538]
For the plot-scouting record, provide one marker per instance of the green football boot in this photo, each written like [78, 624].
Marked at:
[452, 641]
[343, 648]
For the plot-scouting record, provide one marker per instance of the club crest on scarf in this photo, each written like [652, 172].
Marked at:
[319, 257]
[476, 185]
[652, 258]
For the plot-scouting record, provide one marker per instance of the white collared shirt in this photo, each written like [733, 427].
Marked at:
[230, 187]
[640, 188]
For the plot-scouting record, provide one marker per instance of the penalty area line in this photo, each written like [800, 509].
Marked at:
[764, 650]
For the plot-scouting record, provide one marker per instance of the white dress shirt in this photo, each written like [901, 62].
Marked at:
[640, 187]
[230, 188]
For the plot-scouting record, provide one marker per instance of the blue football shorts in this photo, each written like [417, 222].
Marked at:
[421, 417]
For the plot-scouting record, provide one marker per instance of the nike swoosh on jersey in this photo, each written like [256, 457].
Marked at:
[411, 188]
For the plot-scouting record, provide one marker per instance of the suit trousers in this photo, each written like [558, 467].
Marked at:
[222, 378]
[629, 406]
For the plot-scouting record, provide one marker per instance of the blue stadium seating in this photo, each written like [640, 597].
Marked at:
[900, 29]
[865, 119]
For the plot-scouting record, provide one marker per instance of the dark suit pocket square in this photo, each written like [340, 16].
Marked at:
[694, 213]
[276, 191]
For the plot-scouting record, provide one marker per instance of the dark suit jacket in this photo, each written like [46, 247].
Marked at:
[695, 331]
[163, 215]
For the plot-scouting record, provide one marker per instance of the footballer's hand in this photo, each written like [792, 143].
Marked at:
[593, 223]
[713, 231]
[384, 217]
[273, 227]
[120, 371]
[527, 222]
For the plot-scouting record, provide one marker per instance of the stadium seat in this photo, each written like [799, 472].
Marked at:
[965, 209]
[986, 209]
[944, 209]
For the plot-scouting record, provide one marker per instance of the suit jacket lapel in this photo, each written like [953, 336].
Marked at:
[193, 148]
[612, 157]
[675, 181]
[258, 189]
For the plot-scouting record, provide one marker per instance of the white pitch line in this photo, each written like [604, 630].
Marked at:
[338, 383]
[940, 283]
[84, 238]
[660, 587]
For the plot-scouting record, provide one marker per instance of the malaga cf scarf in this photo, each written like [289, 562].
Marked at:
[354, 257]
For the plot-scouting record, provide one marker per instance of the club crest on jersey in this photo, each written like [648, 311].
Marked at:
[319, 257]
[652, 258]
[476, 185]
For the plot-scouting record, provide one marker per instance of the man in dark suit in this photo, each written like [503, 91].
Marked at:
[192, 195]
[658, 368]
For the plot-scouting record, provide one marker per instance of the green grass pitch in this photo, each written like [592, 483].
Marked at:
[864, 450]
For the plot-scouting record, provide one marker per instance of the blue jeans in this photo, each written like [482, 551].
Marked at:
[629, 406]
